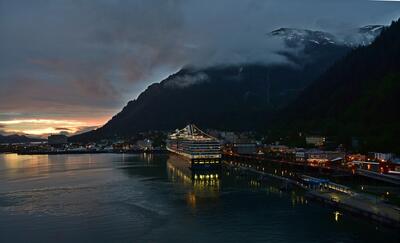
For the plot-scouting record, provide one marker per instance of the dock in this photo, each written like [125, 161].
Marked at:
[381, 177]
[359, 204]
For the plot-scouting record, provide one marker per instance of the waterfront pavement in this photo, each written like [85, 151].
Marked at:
[365, 204]
[394, 179]
[359, 203]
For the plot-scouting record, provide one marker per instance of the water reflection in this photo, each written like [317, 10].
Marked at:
[271, 184]
[157, 198]
[201, 184]
[337, 215]
[148, 157]
[13, 165]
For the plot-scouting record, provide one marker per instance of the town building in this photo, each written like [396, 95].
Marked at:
[300, 155]
[316, 156]
[394, 166]
[278, 148]
[356, 157]
[229, 137]
[122, 146]
[384, 157]
[245, 148]
[145, 144]
[315, 140]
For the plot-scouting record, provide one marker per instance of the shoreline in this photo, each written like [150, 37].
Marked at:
[87, 152]
[364, 173]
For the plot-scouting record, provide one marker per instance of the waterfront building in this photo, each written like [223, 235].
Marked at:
[145, 144]
[366, 165]
[356, 157]
[394, 166]
[229, 137]
[122, 146]
[278, 148]
[315, 140]
[383, 157]
[245, 148]
[316, 156]
[300, 155]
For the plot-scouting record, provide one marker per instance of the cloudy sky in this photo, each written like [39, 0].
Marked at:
[69, 65]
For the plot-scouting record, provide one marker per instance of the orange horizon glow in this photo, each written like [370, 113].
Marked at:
[45, 127]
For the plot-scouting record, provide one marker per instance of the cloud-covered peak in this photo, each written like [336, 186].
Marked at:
[75, 59]
[294, 37]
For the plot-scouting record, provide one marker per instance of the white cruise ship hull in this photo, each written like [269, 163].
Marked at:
[200, 149]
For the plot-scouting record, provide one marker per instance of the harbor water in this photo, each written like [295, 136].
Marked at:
[156, 198]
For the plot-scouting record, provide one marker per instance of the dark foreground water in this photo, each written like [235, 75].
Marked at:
[138, 198]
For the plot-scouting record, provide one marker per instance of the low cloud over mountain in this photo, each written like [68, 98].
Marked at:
[79, 59]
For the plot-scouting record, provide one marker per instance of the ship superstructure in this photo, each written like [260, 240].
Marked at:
[201, 149]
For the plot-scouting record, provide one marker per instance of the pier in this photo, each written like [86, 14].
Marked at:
[359, 204]
[377, 176]
[336, 196]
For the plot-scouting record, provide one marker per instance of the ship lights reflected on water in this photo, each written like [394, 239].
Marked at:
[191, 199]
[204, 184]
[337, 215]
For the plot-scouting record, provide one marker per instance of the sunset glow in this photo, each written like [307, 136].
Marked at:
[44, 127]
[42, 121]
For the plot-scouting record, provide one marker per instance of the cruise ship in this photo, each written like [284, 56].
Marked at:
[199, 148]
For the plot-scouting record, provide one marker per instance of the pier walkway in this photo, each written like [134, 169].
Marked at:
[360, 204]
[353, 202]
[394, 179]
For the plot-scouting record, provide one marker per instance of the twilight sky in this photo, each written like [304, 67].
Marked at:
[69, 65]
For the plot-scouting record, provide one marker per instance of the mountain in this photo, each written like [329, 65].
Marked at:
[358, 97]
[363, 36]
[295, 37]
[357, 37]
[18, 139]
[232, 97]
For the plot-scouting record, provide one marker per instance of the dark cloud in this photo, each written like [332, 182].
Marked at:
[63, 129]
[187, 80]
[87, 58]
[69, 132]
[85, 129]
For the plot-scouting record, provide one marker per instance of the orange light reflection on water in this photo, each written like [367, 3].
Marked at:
[26, 165]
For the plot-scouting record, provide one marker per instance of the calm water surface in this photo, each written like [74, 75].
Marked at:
[155, 198]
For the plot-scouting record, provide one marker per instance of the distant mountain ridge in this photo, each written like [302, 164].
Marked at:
[294, 37]
[234, 97]
[18, 139]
